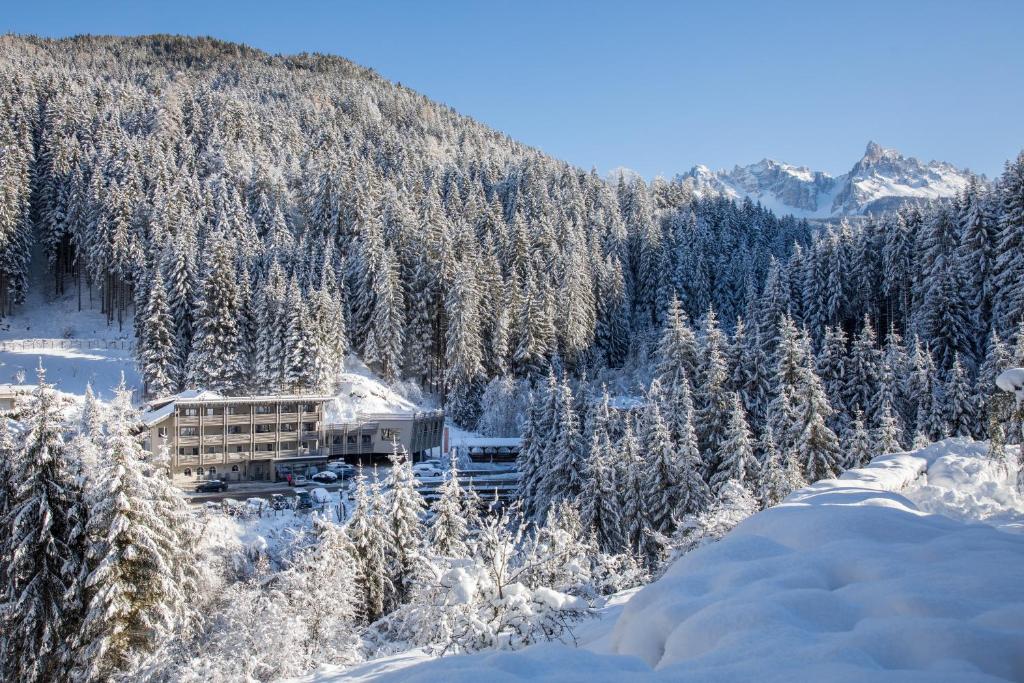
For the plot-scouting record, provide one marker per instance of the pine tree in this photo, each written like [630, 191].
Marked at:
[136, 598]
[781, 475]
[662, 469]
[214, 363]
[370, 544]
[598, 500]
[403, 508]
[161, 367]
[736, 454]
[889, 433]
[464, 370]
[858, 447]
[962, 414]
[448, 529]
[563, 475]
[42, 556]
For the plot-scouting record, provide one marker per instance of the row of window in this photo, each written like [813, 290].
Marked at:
[186, 451]
[259, 409]
[211, 471]
[239, 429]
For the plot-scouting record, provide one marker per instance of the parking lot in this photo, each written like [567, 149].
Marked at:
[241, 490]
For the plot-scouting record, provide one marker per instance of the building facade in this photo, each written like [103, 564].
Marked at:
[265, 438]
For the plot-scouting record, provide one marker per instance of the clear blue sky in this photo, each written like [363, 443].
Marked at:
[654, 86]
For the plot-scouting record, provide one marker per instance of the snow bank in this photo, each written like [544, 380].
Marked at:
[360, 393]
[846, 580]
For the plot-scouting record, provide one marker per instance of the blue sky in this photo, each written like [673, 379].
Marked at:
[654, 86]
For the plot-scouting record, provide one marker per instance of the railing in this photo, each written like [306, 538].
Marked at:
[81, 344]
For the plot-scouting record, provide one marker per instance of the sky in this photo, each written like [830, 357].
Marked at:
[652, 86]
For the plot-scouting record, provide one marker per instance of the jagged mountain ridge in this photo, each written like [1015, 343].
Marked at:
[882, 179]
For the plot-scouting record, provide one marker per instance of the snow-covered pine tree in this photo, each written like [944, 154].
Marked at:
[562, 478]
[448, 529]
[370, 549]
[997, 359]
[862, 370]
[598, 501]
[781, 475]
[857, 447]
[889, 434]
[214, 362]
[816, 445]
[736, 454]
[138, 586]
[711, 392]
[385, 337]
[961, 411]
[42, 551]
[161, 367]
[403, 509]
[464, 370]
[662, 469]
[1008, 268]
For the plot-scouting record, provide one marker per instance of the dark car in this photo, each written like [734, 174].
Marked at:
[303, 500]
[212, 486]
[325, 477]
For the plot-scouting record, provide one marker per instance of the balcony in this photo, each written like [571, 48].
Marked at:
[213, 439]
[239, 419]
[265, 437]
[239, 438]
[213, 458]
[187, 460]
[188, 420]
[192, 440]
[238, 456]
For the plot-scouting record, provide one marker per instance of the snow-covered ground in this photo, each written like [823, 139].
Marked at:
[850, 579]
[72, 344]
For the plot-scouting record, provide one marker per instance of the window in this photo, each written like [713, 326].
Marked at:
[264, 410]
[351, 439]
[309, 426]
[234, 468]
[388, 435]
[212, 471]
[288, 408]
[264, 429]
[189, 431]
[238, 448]
[309, 407]
[210, 412]
[213, 449]
[199, 471]
[193, 450]
[235, 429]
[190, 411]
[188, 471]
[367, 439]
[336, 440]
[238, 410]
[288, 427]
[161, 432]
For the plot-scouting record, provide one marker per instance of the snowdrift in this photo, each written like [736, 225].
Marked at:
[846, 580]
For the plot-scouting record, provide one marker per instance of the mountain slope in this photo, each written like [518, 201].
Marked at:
[882, 179]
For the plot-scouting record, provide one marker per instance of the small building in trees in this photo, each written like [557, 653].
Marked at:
[266, 438]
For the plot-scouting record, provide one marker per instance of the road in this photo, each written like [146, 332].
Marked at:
[246, 489]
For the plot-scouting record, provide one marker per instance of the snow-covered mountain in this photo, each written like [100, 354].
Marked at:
[882, 179]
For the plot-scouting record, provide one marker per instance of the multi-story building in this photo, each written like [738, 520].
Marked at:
[264, 438]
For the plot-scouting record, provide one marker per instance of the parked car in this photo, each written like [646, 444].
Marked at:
[343, 470]
[320, 496]
[212, 486]
[325, 477]
[298, 480]
[278, 502]
[303, 500]
[434, 462]
[425, 471]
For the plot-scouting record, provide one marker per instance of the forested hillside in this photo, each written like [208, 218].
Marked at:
[242, 200]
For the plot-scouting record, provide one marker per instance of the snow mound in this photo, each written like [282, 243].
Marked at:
[360, 394]
[846, 580]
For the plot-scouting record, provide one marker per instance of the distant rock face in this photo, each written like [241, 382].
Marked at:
[882, 179]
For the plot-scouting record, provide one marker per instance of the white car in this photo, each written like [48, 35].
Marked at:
[325, 477]
[426, 471]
